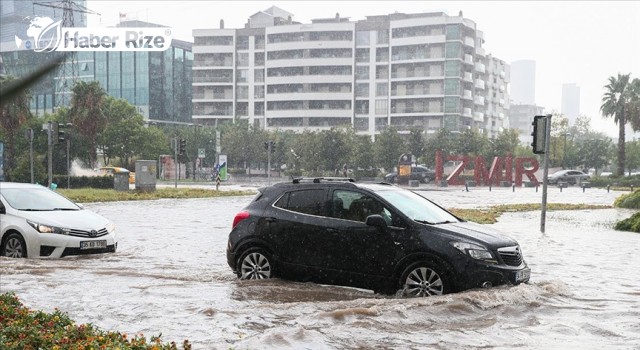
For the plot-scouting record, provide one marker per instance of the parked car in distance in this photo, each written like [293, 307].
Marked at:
[420, 173]
[36, 222]
[365, 235]
[571, 177]
[110, 170]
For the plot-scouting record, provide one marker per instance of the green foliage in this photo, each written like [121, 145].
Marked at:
[490, 215]
[24, 329]
[630, 224]
[90, 195]
[105, 181]
[629, 200]
[388, 147]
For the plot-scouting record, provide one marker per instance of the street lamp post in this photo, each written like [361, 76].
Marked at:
[564, 151]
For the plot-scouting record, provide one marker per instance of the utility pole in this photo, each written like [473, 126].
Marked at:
[49, 128]
[547, 140]
[175, 157]
[29, 135]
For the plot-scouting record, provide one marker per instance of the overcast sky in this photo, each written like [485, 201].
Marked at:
[581, 42]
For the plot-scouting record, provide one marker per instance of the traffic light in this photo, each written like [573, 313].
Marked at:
[539, 133]
[60, 133]
[182, 147]
[57, 133]
[270, 146]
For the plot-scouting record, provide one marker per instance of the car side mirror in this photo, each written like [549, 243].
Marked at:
[3, 210]
[376, 221]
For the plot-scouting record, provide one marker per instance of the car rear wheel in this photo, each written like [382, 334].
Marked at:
[14, 246]
[255, 265]
[424, 279]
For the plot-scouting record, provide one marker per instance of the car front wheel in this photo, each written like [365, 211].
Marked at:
[255, 265]
[424, 279]
[14, 246]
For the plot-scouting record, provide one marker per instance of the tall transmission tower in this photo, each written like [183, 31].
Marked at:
[68, 72]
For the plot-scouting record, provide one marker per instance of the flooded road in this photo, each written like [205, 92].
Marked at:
[170, 276]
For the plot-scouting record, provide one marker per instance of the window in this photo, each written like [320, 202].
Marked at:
[362, 90]
[382, 106]
[453, 32]
[356, 206]
[383, 37]
[452, 104]
[452, 87]
[452, 69]
[362, 72]
[362, 38]
[306, 202]
[453, 50]
[382, 89]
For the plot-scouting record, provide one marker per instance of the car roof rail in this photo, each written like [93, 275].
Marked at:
[298, 180]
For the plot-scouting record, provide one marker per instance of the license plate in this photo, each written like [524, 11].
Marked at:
[523, 275]
[93, 244]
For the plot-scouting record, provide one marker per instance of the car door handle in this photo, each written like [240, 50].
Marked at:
[332, 230]
[270, 219]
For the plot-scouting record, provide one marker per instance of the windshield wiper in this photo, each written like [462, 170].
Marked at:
[64, 209]
[424, 222]
[445, 222]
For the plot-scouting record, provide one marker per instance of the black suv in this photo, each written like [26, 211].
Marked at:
[420, 173]
[366, 235]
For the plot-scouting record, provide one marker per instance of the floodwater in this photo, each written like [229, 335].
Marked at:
[170, 277]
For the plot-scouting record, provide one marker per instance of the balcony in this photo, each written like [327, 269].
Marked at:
[479, 84]
[466, 112]
[467, 95]
[469, 41]
[479, 100]
[480, 68]
[468, 77]
[468, 59]
[478, 116]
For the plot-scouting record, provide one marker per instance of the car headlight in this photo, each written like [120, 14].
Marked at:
[111, 227]
[47, 229]
[475, 251]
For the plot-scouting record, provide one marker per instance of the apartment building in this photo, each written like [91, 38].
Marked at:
[423, 70]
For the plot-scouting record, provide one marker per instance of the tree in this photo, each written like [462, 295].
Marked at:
[122, 134]
[389, 146]
[633, 108]
[87, 114]
[13, 114]
[614, 103]
[506, 142]
[633, 156]
[416, 142]
[595, 151]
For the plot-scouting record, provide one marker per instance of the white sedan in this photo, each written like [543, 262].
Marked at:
[37, 222]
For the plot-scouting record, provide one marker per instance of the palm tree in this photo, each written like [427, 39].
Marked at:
[614, 103]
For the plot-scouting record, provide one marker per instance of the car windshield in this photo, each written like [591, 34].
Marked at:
[37, 199]
[417, 207]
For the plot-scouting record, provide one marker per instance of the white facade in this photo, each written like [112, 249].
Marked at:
[523, 82]
[570, 102]
[426, 71]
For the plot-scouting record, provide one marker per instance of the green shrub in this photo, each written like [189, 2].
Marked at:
[24, 329]
[629, 200]
[630, 224]
[104, 182]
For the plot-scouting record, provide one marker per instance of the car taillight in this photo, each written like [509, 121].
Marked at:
[239, 217]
